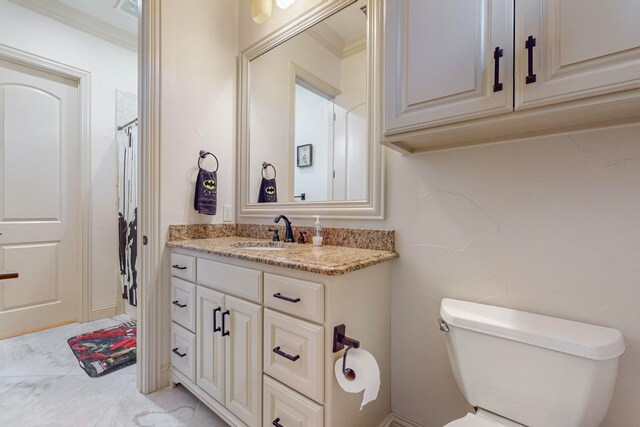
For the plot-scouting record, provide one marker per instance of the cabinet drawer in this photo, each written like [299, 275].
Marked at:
[293, 296]
[183, 266]
[289, 408]
[239, 281]
[183, 303]
[183, 351]
[293, 353]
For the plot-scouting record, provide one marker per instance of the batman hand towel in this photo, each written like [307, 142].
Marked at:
[206, 199]
[268, 191]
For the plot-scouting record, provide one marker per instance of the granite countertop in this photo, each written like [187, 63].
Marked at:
[329, 260]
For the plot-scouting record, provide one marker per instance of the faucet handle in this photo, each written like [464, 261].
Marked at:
[302, 236]
[276, 236]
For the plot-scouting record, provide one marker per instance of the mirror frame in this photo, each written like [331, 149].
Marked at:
[370, 208]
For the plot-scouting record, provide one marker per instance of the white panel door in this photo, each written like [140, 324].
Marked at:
[38, 198]
[243, 327]
[439, 61]
[582, 48]
[210, 343]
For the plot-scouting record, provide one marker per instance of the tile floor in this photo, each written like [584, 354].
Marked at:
[41, 384]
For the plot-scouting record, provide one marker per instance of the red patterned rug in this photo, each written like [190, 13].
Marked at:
[106, 350]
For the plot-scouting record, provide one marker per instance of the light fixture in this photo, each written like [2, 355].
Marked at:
[261, 10]
[283, 4]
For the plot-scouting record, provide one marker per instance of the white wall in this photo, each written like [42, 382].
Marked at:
[198, 84]
[550, 225]
[112, 67]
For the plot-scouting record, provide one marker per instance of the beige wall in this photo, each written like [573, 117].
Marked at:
[112, 67]
[550, 225]
[198, 84]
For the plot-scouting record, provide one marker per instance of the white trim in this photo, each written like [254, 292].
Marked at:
[84, 162]
[395, 420]
[59, 11]
[373, 206]
[149, 295]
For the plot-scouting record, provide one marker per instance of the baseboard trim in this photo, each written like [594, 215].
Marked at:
[395, 420]
[102, 312]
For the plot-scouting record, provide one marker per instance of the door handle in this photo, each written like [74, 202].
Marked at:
[276, 423]
[6, 276]
[497, 54]
[286, 355]
[175, 350]
[216, 328]
[177, 303]
[224, 331]
[179, 267]
[280, 296]
[529, 45]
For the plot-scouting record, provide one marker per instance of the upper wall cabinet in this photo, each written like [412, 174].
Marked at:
[439, 61]
[487, 70]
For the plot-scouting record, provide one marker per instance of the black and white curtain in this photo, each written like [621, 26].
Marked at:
[128, 212]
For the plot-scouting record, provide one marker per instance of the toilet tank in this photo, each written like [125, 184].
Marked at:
[536, 370]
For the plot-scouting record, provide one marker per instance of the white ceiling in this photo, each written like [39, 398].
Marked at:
[105, 10]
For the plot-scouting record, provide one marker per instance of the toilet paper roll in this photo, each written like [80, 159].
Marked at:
[366, 371]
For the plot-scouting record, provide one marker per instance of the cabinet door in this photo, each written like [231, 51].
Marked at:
[439, 61]
[243, 323]
[210, 343]
[582, 48]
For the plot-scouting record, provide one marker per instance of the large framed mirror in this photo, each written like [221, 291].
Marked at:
[306, 118]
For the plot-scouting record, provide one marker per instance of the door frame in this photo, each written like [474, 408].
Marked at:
[83, 79]
[150, 338]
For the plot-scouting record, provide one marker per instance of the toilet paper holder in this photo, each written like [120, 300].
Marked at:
[340, 340]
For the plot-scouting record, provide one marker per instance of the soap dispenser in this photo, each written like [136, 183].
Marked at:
[317, 232]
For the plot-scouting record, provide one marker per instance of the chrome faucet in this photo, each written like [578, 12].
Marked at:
[288, 235]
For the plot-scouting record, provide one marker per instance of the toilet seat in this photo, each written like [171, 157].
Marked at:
[472, 420]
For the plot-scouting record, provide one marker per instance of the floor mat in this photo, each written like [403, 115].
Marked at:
[106, 350]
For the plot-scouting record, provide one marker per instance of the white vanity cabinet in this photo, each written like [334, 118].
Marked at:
[488, 70]
[260, 352]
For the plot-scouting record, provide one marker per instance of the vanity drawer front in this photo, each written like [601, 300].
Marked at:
[183, 266]
[294, 296]
[183, 351]
[183, 303]
[288, 407]
[293, 353]
[239, 281]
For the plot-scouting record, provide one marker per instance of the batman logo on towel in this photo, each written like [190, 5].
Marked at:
[270, 190]
[209, 184]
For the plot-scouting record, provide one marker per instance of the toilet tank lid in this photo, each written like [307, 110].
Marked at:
[566, 336]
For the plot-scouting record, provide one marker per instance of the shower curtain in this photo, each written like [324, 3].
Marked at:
[128, 212]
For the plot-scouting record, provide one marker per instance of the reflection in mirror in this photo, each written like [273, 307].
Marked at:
[308, 114]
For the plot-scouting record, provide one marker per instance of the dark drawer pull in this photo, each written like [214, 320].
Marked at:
[224, 331]
[216, 328]
[286, 355]
[276, 423]
[280, 296]
[179, 267]
[175, 350]
[176, 302]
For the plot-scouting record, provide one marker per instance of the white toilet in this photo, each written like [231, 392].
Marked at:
[521, 368]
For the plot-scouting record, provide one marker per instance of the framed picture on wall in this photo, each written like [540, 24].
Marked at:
[305, 155]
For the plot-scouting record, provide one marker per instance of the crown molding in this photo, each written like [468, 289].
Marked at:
[60, 12]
